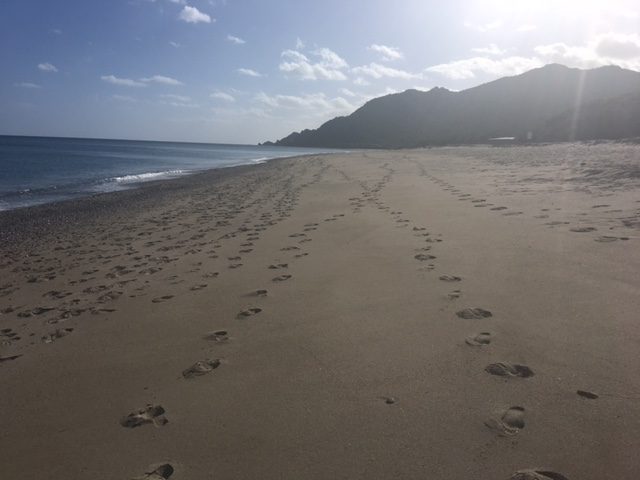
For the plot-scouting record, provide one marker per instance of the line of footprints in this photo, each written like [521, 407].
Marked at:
[153, 414]
[505, 423]
[508, 422]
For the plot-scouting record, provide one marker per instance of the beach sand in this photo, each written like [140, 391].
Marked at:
[418, 314]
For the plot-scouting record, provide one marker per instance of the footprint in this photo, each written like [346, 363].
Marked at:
[498, 208]
[537, 474]
[607, 239]
[450, 278]
[479, 339]
[35, 311]
[509, 423]
[258, 293]
[587, 394]
[454, 294]
[59, 333]
[8, 359]
[162, 299]
[278, 266]
[198, 287]
[249, 312]
[281, 278]
[583, 229]
[509, 370]
[474, 313]
[162, 472]
[8, 336]
[56, 294]
[219, 336]
[201, 367]
[150, 414]
[388, 400]
[423, 257]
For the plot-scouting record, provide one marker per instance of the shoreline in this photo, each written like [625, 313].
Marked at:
[42, 170]
[18, 224]
[449, 313]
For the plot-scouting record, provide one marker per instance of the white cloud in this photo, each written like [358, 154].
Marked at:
[299, 44]
[566, 54]
[174, 44]
[618, 46]
[222, 96]
[249, 72]
[317, 102]
[471, 67]
[388, 53]
[361, 82]
[484, 27]
[377, 71]
[235, 40]
[56, 31]
[177, 101]
[492, 49]
[162, 79]
[193, 15]
[330, 58]
[605, 49]
[47, 67]
[179, 2]
[347, 93]
[26, 85]
[328, 66]
[123, 82]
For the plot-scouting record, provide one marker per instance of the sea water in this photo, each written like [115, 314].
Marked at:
[36, 170]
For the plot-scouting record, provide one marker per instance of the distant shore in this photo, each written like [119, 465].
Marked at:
[446, 313]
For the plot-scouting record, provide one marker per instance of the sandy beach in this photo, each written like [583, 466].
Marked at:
[447, 313]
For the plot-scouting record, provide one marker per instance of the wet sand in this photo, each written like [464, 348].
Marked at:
[446, 314]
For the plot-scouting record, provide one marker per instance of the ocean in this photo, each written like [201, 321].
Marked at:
[37, 170]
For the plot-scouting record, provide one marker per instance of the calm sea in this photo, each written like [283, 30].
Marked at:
[35, 170]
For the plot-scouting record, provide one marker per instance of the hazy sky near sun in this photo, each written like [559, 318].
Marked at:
[244, 71]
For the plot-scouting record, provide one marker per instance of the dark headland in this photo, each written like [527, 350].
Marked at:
[551, 103]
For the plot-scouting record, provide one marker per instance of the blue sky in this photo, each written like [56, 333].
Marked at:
[245, 71]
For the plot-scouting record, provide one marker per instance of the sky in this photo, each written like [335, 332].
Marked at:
[247, 71]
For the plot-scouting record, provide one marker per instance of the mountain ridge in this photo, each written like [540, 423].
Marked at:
[527, 106]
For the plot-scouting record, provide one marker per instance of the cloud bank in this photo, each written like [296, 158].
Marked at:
[193, 15]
